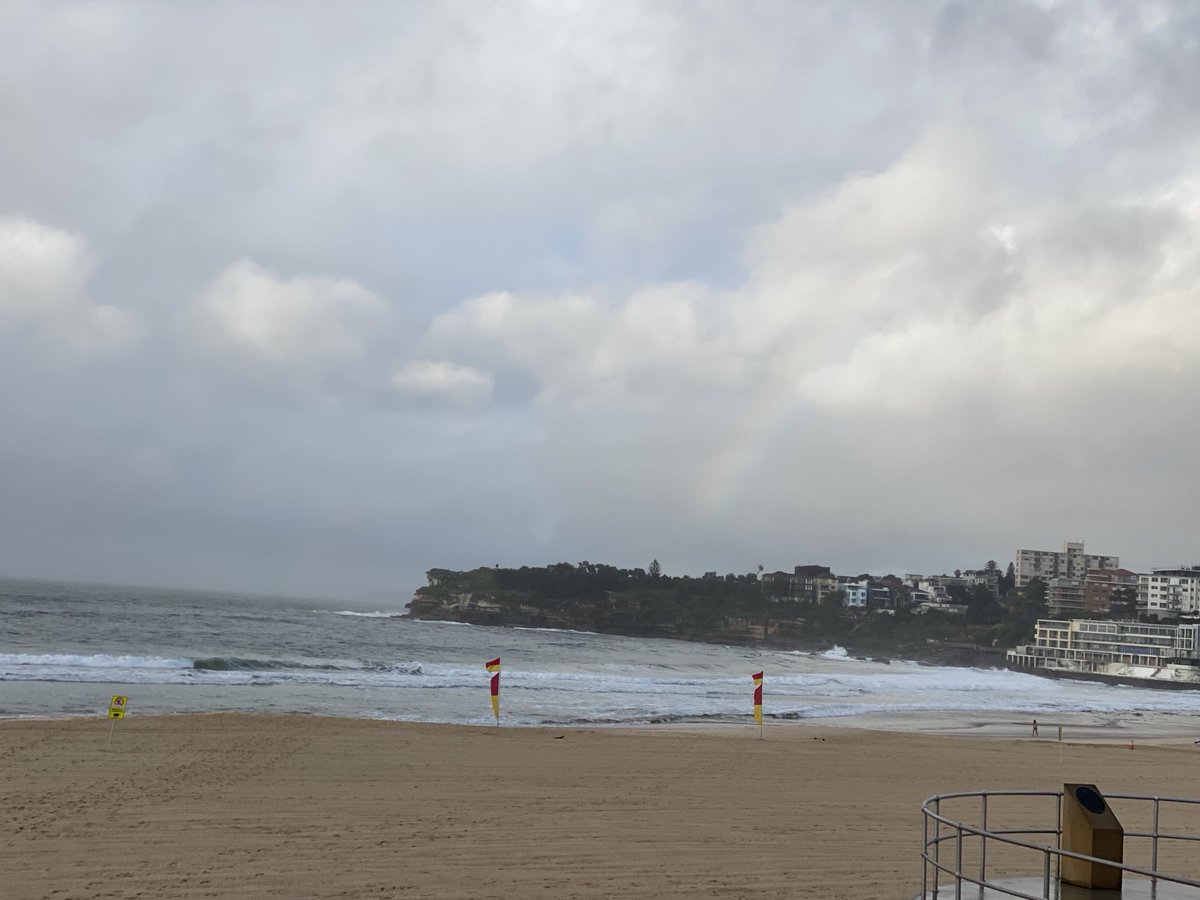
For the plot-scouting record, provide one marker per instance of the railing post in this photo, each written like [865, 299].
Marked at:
[924, 852]
[1058, 837]
[937, 844]
[1154, 845]
[958, 872]
[1046, 876]
[983, 842]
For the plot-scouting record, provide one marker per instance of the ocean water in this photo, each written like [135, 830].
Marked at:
[66, 648]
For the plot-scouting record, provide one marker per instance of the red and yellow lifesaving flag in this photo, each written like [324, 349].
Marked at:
[493, 666]
[758, 680]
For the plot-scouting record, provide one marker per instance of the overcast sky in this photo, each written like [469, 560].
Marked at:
[311, 298]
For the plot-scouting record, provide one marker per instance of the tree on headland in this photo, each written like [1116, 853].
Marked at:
[829, 612]
[1034, 597]
[1008, 580]
[655, 568]
[982, 607]
[1023, 607]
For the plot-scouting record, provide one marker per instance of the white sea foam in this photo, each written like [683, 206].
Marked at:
[98, 661]
[835, 652]
[436, 622]
[556, 630]
[379, 614]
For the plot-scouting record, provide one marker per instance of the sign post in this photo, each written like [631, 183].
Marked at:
[116, 710]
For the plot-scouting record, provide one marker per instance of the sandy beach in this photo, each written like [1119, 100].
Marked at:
[232, 805]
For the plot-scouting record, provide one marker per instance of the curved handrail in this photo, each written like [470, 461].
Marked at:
[1005, 836]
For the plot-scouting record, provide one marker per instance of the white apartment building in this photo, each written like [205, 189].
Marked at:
[990, 580]
[856, 594]
[1070, 562]
[1170, 592]
[936, 586]
[1129, 649]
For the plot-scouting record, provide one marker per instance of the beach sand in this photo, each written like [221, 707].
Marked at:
[233, 805]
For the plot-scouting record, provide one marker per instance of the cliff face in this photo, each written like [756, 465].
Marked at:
[607, 614]
[484, 609]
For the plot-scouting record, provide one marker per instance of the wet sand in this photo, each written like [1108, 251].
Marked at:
[233, 805]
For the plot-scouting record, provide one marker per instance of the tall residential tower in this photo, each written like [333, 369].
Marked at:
[1071, 562]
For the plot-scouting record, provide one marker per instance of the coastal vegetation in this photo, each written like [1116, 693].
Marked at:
[731, 608]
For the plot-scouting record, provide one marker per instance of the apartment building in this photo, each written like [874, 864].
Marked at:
[1170, 592]
[1129, 649]
[856, 593]
[880, 596]
[806, 584]
[1104, 586]
[936, 586]
[989, 579]
[1070, 562]
[1065, 596]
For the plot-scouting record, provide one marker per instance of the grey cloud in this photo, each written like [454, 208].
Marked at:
[879, 285]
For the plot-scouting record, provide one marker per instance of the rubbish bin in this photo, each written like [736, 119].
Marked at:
[1089, 826]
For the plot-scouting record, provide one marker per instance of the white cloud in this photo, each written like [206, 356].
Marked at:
[252, 313]
[42, 267]
[431, 379]
[43, 275]
[583, 349]
[1068, 301]
[540, 335]
[909, 291]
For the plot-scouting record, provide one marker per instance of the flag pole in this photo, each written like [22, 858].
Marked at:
[758, 683]
[493, 666]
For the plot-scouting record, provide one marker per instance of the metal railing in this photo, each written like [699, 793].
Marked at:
[959, 833]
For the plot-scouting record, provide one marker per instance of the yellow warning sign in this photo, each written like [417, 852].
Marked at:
[116, 710]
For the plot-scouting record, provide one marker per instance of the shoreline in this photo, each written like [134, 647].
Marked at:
[1153, 727]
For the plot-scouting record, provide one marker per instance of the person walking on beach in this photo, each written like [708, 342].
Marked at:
[1035, 728]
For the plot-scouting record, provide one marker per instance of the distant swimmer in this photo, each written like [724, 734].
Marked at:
[1035, 728]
